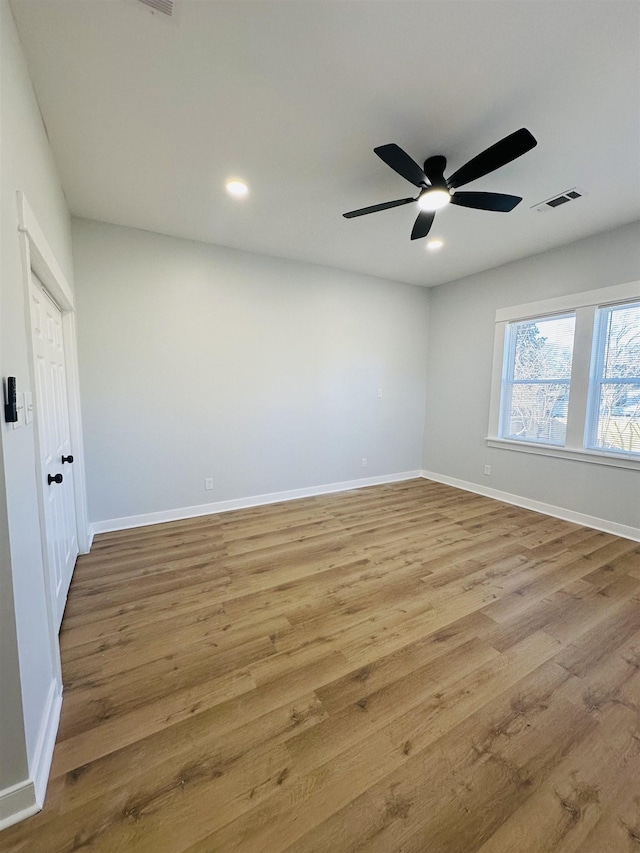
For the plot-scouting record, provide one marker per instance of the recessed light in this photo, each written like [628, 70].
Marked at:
[434, 245]
[237, 188]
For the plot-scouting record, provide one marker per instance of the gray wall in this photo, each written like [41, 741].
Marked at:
[27, 165]
[459, 378]
[198, 361]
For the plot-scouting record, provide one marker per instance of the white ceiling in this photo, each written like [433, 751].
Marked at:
[148, 116]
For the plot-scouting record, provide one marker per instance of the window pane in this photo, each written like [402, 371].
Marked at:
[614, 422]
[619, 417]
[539, 412]
[535, 394]
[622, 342]
[544, 348]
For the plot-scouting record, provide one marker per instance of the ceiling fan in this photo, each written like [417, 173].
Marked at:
[436, 191]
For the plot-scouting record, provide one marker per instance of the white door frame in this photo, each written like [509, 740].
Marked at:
[38, 257]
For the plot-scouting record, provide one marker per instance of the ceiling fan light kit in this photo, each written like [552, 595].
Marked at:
[434, 199]
[437, 192]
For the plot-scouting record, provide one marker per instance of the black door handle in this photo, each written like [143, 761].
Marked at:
[67, 459]
[56, 479]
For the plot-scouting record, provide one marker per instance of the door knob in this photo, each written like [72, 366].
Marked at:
[67, 459]
[56, 479]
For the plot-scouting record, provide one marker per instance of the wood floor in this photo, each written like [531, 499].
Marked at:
[402, 668]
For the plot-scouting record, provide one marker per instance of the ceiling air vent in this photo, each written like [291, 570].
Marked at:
[164, 6]
[558, 200]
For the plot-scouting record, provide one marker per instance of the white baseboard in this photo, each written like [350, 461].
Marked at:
[26, 798]
[17, 803]
[624, 530]
[245, 503]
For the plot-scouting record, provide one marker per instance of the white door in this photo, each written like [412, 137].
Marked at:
[52, 414]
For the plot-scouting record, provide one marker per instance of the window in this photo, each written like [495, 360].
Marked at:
[538, 373]
[614, 410]
[566, 377]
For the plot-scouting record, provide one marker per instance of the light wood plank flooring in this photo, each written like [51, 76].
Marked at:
[402, 668]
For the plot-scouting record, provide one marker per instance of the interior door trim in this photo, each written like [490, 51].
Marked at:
[38, 256]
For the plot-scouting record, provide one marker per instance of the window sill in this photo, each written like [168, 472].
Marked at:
[600, 458]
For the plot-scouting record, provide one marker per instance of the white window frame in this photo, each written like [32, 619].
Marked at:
[584, 305]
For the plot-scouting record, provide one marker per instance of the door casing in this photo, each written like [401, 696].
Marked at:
[38, 257]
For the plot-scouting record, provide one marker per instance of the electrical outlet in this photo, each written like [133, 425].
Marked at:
[487, 470]
[208, 483]
[364, 461]
[379, 392]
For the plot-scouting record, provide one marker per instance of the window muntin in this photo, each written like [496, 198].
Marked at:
[613, 422]
[536, 379]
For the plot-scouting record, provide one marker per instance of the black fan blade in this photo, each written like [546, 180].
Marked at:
[401, 163]
[376, 207]
[497, 155]
[486, 201]
[422, 225]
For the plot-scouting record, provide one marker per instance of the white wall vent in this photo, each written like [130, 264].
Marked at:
[164, 6]
[558, 200]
